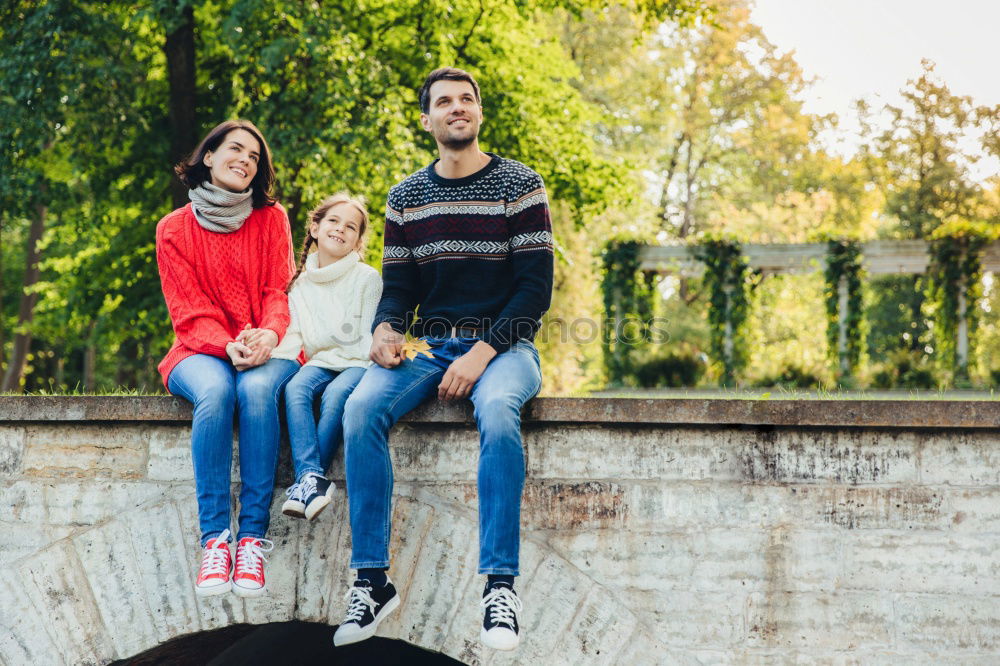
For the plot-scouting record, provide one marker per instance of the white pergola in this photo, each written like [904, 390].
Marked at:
[885, 257]
[878, 257]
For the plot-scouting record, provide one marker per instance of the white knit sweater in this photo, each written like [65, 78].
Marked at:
[332, 311]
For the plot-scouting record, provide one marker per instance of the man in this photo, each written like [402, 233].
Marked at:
[467, 239]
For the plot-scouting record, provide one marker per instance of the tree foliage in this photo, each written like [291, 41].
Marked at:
[730, 284]
[654, 120]
[843, 264]
[86, 128]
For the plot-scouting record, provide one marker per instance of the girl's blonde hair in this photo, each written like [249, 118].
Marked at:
[316, 216]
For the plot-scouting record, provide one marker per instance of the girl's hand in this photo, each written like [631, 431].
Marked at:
[387, 346]
[261, 342]
[251, 337]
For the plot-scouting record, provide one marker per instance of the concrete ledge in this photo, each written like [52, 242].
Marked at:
[978, 414]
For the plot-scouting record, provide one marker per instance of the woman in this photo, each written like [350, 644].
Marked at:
[225, 260]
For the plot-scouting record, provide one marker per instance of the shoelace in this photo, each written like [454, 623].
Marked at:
[359, 599]
[250, 555]
[294, 492]
[307, 486]
[503, 605]
[216, 560]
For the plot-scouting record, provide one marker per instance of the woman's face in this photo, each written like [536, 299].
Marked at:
[338, 233]
[234, 163]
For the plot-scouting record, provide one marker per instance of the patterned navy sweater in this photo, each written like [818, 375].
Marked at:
[473, 251]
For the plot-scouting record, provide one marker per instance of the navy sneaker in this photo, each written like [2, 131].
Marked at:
[367, 606]
[501, 605]
[316, 491]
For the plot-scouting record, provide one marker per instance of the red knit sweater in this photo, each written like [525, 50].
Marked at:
[215, 284]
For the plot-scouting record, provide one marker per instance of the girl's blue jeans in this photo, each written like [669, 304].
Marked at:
[313, 442]
[218, 391]
[384, 395]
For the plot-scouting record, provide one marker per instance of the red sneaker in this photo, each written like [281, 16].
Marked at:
[216, 563]
[248, 581]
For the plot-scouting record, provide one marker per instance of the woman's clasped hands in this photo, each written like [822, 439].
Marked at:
[252, 347]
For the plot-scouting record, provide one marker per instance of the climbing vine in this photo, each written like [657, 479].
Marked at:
[955, 271]
[729, 282]
[843, 260]
[628, 304]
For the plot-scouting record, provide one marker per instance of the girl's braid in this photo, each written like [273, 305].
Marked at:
[302, 259]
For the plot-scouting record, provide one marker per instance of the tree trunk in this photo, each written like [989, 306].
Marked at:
[89, 366]
[3, 364]
[26, 311]
[296, 216]
[728, 345]
[90, 358]
[60, 372]
[686, 221]
[180, 53]
[962, 343]
[916, 314]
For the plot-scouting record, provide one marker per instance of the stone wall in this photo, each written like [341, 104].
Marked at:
[677, 531]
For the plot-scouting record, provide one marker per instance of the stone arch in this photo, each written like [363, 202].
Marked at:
[124, 586]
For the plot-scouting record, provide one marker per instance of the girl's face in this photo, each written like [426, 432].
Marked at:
[234, 163]
[338, 233]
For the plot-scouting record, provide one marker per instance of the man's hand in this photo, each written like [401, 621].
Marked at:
[387, 346]
[465, 371]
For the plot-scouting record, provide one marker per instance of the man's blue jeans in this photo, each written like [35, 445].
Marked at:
[217, 390]
[384, 395]
[314, 443]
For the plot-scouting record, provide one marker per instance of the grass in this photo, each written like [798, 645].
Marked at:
[781, 393]
[777, 393]
[118, 392]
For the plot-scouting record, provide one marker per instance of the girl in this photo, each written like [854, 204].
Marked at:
[332, 303]
[225, 260]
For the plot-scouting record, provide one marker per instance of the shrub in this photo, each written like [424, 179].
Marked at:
[904, 369]
[792, 376]
[673, 370]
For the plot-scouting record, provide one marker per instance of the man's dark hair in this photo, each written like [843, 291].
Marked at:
[192, 170]
[445, 74]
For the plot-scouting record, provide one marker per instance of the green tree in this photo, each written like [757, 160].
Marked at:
[333, 86]
[917, 157]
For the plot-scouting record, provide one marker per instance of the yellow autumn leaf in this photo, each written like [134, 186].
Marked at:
[413, 347]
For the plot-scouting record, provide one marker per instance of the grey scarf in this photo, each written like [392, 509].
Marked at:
[220, 210]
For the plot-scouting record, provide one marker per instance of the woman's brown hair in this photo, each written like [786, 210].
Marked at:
[193, 172]
[316, 216]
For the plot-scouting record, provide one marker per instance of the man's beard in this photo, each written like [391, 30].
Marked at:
[457, 143]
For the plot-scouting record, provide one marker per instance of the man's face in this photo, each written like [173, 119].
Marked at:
[454, 114]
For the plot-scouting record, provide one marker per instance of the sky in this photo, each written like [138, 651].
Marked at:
[869, 48]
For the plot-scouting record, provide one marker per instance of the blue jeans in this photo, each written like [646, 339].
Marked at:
[217, 390]
[384, 395]
[314, 444]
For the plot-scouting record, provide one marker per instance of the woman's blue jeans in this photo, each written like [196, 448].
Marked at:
[217, 391]
[384, 395]
[315, 443]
